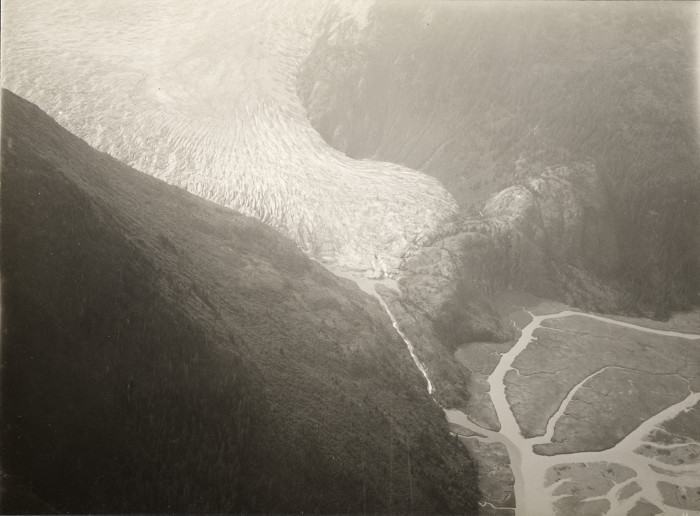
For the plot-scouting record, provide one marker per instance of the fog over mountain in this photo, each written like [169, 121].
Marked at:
[513, 189]
[485, 95]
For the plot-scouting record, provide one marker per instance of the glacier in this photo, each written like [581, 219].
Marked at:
[204, 97]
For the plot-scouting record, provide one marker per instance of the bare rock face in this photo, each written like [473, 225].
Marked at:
[440, 283]
[463, 91]
[549, 235]
[575, 217]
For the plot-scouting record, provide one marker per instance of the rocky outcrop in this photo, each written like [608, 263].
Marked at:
[561, 236]
[552, 235]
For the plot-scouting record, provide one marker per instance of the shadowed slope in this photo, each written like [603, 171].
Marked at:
[164, 354]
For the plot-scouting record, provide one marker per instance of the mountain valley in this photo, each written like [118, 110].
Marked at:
[350, 257]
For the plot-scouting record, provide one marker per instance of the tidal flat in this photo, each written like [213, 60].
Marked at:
[597, 414]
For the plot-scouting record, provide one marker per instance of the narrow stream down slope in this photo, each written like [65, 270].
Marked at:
[533, 496]
[206, 99]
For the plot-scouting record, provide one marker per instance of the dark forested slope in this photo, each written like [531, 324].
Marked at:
[484, 95]
[164, 354]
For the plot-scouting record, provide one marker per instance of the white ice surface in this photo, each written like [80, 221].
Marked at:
[203, 96]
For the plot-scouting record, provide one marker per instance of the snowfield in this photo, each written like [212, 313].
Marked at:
[204, 97]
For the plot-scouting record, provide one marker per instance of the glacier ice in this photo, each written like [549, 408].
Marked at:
[203, 96]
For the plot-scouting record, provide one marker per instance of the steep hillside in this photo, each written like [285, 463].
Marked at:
[217, 113]
[550, 235]
[485, 95]
[165, 354]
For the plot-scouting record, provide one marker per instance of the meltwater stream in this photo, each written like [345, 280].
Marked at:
[204, 97]
[533, 497]
[368, 285]
[529, 468]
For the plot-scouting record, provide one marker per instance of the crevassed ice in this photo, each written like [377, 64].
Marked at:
[203, 96]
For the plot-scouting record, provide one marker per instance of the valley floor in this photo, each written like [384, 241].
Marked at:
[598, 415]
[593, 414]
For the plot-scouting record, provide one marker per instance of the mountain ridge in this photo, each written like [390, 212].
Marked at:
[224, 123]
[183, 348]
[467, 93]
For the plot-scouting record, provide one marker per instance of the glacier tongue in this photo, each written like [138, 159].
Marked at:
[203, 96]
